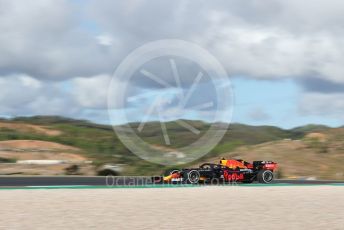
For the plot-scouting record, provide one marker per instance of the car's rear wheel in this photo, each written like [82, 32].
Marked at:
[265, 176]
[193, 176]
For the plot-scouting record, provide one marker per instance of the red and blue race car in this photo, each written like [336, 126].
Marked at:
[231, 170]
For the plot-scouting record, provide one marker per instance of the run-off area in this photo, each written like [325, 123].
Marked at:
[209, 207]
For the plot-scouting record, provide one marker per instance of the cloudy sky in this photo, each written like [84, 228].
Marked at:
[285, 59]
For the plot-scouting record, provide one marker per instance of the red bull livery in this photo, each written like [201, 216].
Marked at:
[231, 170]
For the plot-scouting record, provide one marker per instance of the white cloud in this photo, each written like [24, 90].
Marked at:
[50, 41]
[324, 105]
[46, 40]
[105, 40]
[91, 92]
[30, 82]
[262, 39]
[25, 95]
[271, 39]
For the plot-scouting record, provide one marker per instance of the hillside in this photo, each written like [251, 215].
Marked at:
[98, 143]
[317, 155]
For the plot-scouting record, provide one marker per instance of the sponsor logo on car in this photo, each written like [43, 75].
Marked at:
[233, 176]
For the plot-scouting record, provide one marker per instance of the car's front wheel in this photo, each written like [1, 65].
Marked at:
[265, 176]
[171, 171]
[193, 176]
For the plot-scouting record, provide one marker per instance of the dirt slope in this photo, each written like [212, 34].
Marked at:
[38, 150]
[319, 155]
[29, 128]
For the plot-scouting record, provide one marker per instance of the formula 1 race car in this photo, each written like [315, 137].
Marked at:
[226, 171]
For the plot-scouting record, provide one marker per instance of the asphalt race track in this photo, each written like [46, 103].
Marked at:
[23, 181]
[72, 180]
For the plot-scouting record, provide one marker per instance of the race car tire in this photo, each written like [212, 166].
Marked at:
[174, 171]
[265, 176]
[171, 171]
[193, 176]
